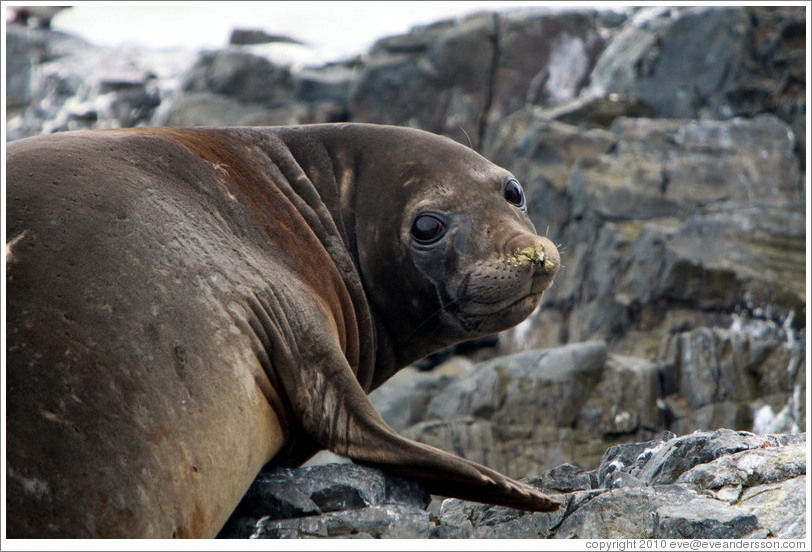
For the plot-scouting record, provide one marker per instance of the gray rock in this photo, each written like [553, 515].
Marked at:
[671, 459]
[679, 61]
[702, 518]
[525, 412]
[566, 478]
[627, 459]
[207, 109]
[715, 377]
[625, 401]
[779, 507]
[749, 468]
[19, 61]
[542, 58]
[390, 522]
[461, 519]
[664, 225]
[709, 63]
[627, 512]
[455, 78]
[257, 36]
[242, 76]
[293, 502]
[404, 399]
[62, 82]
[770, 504]
[435, 78]
[722, 484]
[515, 413]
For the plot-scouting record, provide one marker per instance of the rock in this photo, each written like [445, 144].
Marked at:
[626, 400]
[677, 60]
[723, 378]
[434, 78]
[525, 412]
[65, 83]
[709, 63]
[779, 507]
[403, 400]
[542, 58]
[389, 522]
[749, 468]
[516, 413]
[19, 61]
[768, 471]
[257, 36]
[460, 519]
[205, 108]
[648, 227]
[596, 111]
[455, 78]
[297, 503]
[232, 87]
[667, 463]
[240, 75]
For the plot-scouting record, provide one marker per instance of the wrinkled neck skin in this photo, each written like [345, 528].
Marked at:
[364, 212]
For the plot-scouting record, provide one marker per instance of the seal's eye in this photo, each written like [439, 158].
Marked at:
[427, 229]
[514, 193]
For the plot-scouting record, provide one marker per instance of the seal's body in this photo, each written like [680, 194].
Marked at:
[184, 306]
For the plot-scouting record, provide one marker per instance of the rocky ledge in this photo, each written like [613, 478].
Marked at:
[720, 484]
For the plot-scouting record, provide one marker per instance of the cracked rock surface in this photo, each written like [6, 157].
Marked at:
[720, 484]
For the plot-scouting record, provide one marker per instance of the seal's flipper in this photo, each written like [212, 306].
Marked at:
[332, 408]
[358, 432]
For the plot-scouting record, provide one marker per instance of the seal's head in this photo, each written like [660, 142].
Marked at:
[449, 240]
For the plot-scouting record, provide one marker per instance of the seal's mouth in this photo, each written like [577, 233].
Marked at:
[485, 318]
[472, 306]
[507, 282]
[499, 293]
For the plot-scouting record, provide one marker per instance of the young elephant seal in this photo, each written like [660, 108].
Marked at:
[186, 305]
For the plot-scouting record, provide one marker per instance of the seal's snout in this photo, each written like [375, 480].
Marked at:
[535, 255]
[542, 254]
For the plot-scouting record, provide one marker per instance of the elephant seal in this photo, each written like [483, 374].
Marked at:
[186, 305]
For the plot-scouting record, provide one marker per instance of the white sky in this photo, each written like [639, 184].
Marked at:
[334, 28]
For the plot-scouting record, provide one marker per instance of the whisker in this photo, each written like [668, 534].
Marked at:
[470, 144]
